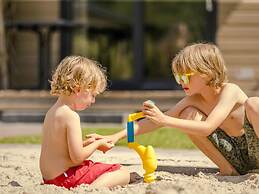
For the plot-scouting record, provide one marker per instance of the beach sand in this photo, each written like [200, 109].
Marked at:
[179, 171]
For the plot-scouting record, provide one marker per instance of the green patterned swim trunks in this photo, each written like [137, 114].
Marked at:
[241, 152]
[253, 146]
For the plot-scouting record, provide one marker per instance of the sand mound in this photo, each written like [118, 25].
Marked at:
[179, 171]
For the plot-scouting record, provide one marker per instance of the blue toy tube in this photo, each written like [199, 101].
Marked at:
[130, 131]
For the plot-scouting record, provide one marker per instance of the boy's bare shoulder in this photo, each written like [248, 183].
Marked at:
[231, 86]
[63, 113]
[67, 113]
[235, 91]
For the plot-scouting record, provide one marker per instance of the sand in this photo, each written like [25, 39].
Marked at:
[179, 171]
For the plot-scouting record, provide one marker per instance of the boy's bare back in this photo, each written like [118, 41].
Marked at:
[55, 157]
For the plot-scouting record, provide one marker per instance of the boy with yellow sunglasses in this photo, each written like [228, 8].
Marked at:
[216, 115]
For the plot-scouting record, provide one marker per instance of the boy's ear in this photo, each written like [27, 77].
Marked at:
[207, 78]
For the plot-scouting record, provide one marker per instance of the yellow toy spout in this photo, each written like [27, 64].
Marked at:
[149, 160]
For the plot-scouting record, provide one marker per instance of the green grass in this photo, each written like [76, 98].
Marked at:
[32, 139]
[162, 138]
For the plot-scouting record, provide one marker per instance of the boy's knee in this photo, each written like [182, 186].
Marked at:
[252, 105]
[124, 170]
[126, 174]
[187, 112]
[192, 113]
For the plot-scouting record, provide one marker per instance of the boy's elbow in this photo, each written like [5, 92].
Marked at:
[208, 129]
[207, 132]
[77, 160]
[202, 133]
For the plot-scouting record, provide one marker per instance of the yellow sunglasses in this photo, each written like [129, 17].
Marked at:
[185, 78]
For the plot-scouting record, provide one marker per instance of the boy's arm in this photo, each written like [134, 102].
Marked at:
[88, 141]
[113, 137]
[78, 153]
[227, 100]
[140, 127]
[144, 125]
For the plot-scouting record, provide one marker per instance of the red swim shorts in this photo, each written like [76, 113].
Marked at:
[85, 173]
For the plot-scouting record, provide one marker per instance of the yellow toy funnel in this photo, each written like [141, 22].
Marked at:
[147, 154]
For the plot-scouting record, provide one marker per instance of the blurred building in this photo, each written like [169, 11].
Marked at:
[134, 40]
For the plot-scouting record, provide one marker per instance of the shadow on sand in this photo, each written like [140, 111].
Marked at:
[187, 170]
[192, 171]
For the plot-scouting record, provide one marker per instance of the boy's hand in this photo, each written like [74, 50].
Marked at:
[88, 141]
[152, 112]
[97, 137]
[105, 144]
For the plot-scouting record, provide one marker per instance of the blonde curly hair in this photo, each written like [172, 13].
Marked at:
[77, 72]
[203, 58]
